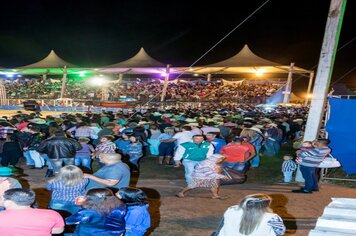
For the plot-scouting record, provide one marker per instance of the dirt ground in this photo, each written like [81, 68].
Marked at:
[198, 214]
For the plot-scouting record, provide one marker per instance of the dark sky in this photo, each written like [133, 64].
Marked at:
[94, 33]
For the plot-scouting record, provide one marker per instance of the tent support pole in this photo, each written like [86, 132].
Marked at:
[165, 85]
[325, 68]
[121, 75]
[64, 81]
[208, 78]
[288, 90]
[311, 77]
[324, 72]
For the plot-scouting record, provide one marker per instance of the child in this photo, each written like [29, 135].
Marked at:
[82, 157]
[207, 175]
[137, 217]
[288, 168]
[135, 151]
[105, 146]
[306, 145]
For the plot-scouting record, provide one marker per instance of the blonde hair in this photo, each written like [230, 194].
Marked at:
[254, 206]
[70, 175]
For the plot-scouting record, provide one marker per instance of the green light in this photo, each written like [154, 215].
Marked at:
[82, 73]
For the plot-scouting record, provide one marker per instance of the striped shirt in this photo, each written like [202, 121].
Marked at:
[288, 166]
[277, 225]
[313, 157]
[66, 193]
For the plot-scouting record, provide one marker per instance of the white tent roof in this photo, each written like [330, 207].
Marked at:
[139, 63]
[51, 61]
[243, 62]
[245, 58]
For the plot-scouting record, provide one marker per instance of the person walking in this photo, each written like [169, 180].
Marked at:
[192, 154]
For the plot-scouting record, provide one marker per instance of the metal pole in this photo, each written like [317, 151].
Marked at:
[208, 78]
[288, 90]
[120, 77]
[311, 76]
[165, 85]
[325, 67]
[64, 81]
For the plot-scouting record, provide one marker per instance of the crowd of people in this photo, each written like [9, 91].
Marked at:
[91, 157]
[142, 91]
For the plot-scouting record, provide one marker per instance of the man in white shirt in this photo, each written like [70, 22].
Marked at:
[181, 137]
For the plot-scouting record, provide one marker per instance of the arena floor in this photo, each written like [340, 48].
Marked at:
[198, 214]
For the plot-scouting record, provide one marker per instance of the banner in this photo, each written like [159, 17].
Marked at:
[341, 129]
[277, 97]
[227, 82]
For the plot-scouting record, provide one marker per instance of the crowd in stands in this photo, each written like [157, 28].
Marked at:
[143, 91]
[108, 147]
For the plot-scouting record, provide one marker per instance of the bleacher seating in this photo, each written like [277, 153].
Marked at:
[338, 219]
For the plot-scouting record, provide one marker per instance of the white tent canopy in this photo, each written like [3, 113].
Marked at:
[51, 61]
[243, 62]
[141, 63]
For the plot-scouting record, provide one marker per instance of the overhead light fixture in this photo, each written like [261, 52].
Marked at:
[260, 72]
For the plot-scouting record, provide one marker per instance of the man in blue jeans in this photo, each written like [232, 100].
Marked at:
[59, 150]
[309, 161]
[192, 154]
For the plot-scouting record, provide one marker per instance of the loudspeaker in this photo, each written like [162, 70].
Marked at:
[31, 106]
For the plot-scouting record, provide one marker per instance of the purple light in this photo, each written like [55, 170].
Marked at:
[163, 74]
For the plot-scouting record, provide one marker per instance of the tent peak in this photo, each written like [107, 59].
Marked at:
[52, 60]
[140, 60]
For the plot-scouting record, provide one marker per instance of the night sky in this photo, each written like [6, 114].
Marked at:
[98, 33]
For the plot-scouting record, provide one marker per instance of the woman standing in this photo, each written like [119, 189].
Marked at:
[166, 150]
[103, 214]
[252, 217]
[65, 187]
[137, 217]
[135, 152]
[11, 151]
[153, 140]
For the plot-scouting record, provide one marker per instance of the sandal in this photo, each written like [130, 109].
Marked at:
[219, 197]
[180, 195]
